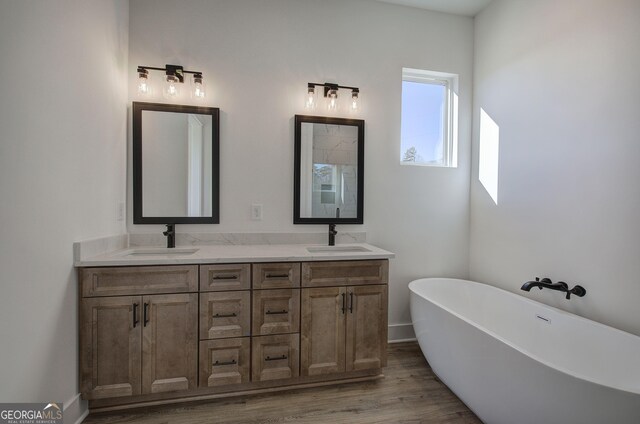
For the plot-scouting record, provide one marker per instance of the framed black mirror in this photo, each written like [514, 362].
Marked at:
[328, 170]
[176, 164]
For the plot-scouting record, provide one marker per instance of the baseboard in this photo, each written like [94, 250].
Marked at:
[75, 410]
[401, 333]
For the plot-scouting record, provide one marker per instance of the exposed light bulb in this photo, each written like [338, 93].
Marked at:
[143, 81]
[310, 102]
[198, 87]
[171, 86]
[355, 101]
[332, 98]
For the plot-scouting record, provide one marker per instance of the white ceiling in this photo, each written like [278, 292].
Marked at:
[458, 7]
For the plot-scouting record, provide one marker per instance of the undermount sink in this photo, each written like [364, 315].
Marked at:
[337, 249]
[149, 251]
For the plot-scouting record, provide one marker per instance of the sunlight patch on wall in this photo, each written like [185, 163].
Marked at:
[489, 155]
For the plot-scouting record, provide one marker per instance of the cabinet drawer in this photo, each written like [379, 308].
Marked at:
[225, 277]
[276, 311]
[224, 362]
[118, 281]
[344, 273]
[276, 275]
[225, 314]
[275, 357]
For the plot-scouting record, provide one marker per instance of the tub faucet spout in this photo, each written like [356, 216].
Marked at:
[545, 283]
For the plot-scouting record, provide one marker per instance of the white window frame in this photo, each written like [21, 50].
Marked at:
[450, 117]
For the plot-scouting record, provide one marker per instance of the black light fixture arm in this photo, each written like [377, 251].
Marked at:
[331, 86]
[175, 70]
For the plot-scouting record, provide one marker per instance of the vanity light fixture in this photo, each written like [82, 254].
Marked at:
[331, 94]
[174, 76]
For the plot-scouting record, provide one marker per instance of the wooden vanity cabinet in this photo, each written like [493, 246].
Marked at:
[154, 334]
[344, 327]
[143, 344]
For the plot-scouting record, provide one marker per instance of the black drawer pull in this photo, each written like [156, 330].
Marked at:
[277, 275]
[225, 277]
[277, 358]
[351, 302]
[225, 315]
[276, 312]
[145, 311]
[344, 307]
[218, 363]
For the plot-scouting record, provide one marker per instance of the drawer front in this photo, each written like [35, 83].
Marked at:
[224, 362]
[225, 277]
[117, 281]
[344, 273]
[276, 311]
[275, 357]
[225, 314]
[276, 275]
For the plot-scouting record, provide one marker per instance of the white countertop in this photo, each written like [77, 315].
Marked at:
[212, 254]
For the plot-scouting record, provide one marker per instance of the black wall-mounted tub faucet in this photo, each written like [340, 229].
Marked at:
[171, 236]
[546, 283]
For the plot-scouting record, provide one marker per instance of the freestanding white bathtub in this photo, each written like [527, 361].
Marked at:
[516, 361]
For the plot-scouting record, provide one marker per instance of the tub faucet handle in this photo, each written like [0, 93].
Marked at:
[577, 290]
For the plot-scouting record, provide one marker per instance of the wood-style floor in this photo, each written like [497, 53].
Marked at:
[409, 393]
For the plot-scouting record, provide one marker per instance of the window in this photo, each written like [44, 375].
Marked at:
[429, 118]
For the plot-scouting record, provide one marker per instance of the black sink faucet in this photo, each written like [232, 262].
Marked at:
[546, 283]
[332, 234]
[171, 236]
[333, 231]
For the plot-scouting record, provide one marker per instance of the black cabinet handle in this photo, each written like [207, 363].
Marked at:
[276, 312]
[277, 358]
[218, 363]
[225, 315]
[225, 277]
[145, 314]
[351, 302]
[344, 306]
[135, 315]
[276, 276]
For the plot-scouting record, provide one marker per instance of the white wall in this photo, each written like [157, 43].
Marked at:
[560, 79]
[62, 174]
[257, 57]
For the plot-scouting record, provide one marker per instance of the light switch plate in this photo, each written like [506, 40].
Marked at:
[256, 212]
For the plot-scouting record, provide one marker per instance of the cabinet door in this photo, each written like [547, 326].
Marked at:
[225, 314]
[110, 338]
[323, 330]
[169, 342]
[366, 346]
[275, 357]
[276, 311]
[225, 361]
